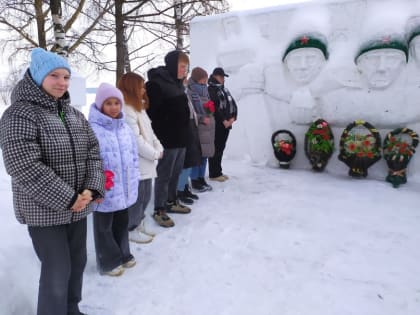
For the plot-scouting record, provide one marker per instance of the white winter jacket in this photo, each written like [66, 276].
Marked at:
[149, 146]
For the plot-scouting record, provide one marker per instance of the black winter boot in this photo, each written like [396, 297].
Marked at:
[197, 185]
[188, 193]
[182, 196]
[206, 186]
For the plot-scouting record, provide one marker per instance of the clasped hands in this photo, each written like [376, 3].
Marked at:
[82, 201]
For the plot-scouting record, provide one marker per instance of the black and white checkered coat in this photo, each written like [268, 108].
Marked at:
[49, 160]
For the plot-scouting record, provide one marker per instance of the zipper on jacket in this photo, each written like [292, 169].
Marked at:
[73, 151]
[61, 112]
[128, 183]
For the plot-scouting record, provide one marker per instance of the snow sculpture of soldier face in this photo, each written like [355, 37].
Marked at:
[231, 26]
[305, 58]
[415, 49]
[304, 64]
[413, 38]
[381, 67]
[381, 61]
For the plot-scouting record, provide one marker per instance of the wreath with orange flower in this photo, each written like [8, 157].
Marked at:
[360, 150]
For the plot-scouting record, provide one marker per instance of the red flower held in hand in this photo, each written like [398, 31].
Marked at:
[109, 179]
[209, 107]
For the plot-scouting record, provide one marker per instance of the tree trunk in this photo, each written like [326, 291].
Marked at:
[127, 65]
[178, 24]
[40, 21]
[60, 45]
[119, 32]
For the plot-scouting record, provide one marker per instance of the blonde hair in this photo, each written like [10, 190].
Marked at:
[183, 57]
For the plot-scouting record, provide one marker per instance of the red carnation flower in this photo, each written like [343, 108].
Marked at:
[209, 107]
[109, 179]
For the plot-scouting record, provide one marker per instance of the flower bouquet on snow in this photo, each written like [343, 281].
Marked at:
[319, 144]
[398, 151]
[284, 146]
[360, 147]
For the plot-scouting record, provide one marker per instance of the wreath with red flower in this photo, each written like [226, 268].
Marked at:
[360, 150]
[284, 145]
[319, 144]
[398, 153]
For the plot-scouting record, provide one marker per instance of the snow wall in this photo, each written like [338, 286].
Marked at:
[275, 93]
[77, 90]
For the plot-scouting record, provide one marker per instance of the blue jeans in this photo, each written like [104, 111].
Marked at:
[199, 171]
[183, 178]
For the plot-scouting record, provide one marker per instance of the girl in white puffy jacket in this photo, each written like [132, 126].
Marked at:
[149, 150]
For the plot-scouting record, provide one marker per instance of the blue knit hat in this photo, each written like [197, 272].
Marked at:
[43, 62]
[105, 91]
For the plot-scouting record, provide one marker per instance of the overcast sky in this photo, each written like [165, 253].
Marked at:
[255, 4]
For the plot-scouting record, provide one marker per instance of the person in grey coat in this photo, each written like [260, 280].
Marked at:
[52, 155]
[199, 95]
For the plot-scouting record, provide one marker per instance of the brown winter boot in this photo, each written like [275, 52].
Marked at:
[162, 218]
[176, 207]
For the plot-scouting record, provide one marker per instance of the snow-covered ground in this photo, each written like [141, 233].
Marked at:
[266, 242]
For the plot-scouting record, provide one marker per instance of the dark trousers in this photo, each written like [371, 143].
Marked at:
[168, 169]
[136, 211]
[62, 252]
[220, 137]
[110, 231]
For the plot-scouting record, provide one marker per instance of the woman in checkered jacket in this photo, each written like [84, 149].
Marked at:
[52, 155]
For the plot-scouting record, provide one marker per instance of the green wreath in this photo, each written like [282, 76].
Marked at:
[319, 144]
